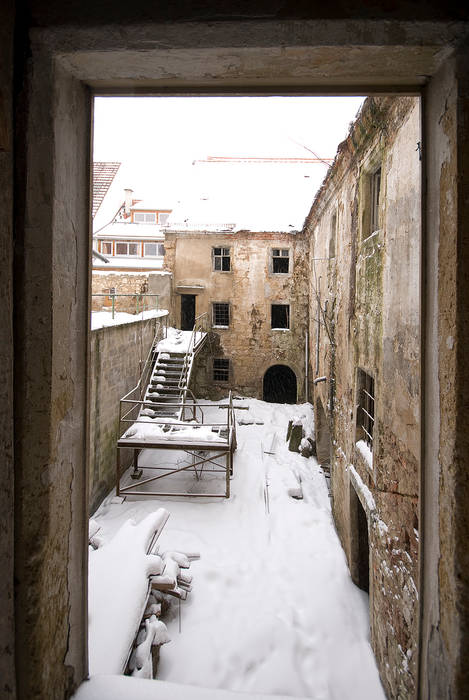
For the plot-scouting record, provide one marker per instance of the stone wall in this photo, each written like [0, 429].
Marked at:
[250, 288]
[123, 283]
[117, 356]
[369, 299]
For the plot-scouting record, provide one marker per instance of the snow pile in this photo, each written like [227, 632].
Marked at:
[143, 431]
[118, 585]
[177, 341]
[102, 319]
[274, 610]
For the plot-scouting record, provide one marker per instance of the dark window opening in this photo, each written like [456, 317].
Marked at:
[375, 184]
[279, 385]
[221, 259]
[280, 316]
[366, 408]
[280, 260]
[221, 314]
[360, 568]
[221, 370]
[187, 312]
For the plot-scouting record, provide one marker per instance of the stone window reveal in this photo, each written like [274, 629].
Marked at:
[221, 259]
[221, 370]
[366, 408]
[280, 260]
[280, 316]
[221, 314]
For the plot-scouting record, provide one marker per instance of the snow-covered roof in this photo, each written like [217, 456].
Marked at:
[255, 196]
[147, 205]
[103, 175]
[121, 230]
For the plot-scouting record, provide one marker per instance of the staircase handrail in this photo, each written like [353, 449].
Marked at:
[199, 326]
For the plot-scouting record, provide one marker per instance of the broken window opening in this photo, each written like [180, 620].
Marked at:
[366, 408]
[280, 316]
[221, 259]
[221, 369]
[221, 315]
[280, 260]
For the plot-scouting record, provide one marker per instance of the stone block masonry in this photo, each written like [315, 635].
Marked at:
[117, 355]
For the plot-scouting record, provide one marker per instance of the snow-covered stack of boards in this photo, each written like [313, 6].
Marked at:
[125, 632]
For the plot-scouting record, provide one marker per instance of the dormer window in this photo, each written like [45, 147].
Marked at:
[144, 217]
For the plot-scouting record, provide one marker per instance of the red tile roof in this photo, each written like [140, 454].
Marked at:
[103, 175]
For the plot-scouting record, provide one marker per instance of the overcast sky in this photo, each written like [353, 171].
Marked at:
[159, 141]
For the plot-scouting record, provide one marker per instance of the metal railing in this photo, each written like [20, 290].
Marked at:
[140, 301]
[200, 328]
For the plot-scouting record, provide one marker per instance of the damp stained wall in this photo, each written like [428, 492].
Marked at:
[369, 293]
[250, 288]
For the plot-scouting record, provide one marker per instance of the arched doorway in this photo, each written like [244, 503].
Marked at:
[279, 385]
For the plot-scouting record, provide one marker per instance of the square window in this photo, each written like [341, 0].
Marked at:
[221, 314]
[221, 259]
[163, 218]
[280, 316]
[106, 247]
[280, 260]
[152, 250]
[366, 408]
[221, 370]
[121, 248]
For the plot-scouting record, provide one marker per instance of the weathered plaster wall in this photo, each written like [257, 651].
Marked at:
[50, 379]
[372, 294]
[445, 489]
[250, 288]
[117, 355]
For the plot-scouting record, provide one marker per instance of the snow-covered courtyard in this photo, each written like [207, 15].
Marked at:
[273, 609]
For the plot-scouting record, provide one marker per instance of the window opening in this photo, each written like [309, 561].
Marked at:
[221, 259]
[375, 185]
[280, 316]
[106, 247]
[280, 260]
[366, 407]
[221, 314]
[163, 218]
[221, 369]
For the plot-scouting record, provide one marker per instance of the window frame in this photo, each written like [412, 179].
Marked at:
[279, 257]
[227, 369]
[149, 255]
[375, 182]
[280, 328]
[127, 255]
[221, 256]
[228, 310]
[145, 214]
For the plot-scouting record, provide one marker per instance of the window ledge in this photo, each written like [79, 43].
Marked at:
[285, 330]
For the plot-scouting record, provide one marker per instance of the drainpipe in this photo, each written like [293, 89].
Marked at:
[306, 366]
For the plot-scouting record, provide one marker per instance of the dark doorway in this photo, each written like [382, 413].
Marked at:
[279, 385]
[360, 568]
[187, 312]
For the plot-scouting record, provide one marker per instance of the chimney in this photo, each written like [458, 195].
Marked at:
[127, 201]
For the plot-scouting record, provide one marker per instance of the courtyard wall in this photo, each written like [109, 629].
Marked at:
[364, 285]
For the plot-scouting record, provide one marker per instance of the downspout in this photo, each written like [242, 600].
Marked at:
[306, 366]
